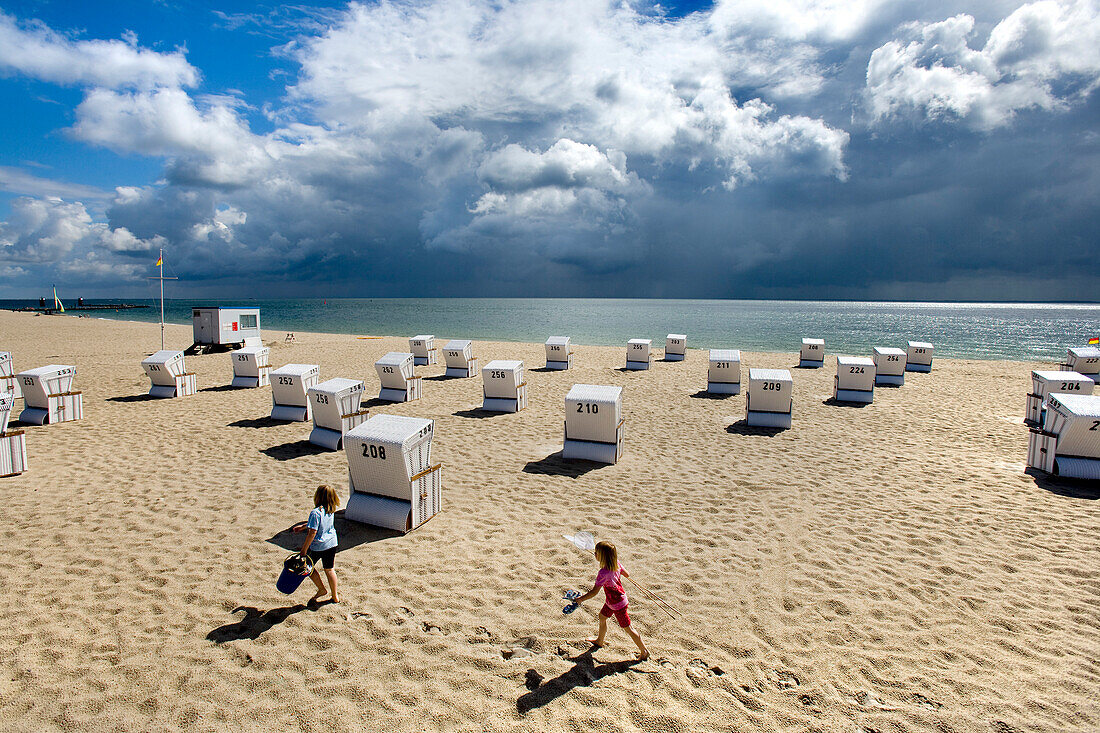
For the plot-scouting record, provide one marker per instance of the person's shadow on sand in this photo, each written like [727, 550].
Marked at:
[583, 673]
[254, 623]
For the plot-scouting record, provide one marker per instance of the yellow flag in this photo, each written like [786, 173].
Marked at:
[159, 260]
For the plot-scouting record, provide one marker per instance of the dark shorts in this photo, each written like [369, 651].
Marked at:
[620, 615]
[323, 558]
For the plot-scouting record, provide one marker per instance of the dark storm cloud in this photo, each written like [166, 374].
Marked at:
[752, 149]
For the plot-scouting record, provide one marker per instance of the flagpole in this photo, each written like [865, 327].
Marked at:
[162, 278]
[160, 261]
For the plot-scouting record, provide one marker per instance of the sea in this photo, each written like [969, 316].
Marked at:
[1013, 331]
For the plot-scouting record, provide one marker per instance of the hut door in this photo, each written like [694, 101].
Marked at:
[206, 327]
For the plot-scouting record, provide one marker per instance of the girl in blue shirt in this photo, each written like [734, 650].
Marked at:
[320, 542]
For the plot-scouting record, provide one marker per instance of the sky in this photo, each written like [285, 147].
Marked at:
[833, 149]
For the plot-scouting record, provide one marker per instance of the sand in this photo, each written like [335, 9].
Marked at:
[884, 568]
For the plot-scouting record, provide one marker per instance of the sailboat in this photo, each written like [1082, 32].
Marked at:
[57, 301]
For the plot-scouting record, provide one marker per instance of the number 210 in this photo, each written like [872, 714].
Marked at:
[588, 407]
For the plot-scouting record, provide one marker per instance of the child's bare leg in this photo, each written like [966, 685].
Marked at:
[643, 653]
[330, 573]
[316, 578]
[598, 641]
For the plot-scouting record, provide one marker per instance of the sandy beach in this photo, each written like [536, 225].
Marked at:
[884, 568]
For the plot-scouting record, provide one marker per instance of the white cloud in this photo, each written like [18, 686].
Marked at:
[50, 230]
[17, 181]
[167, 122]
[1044, 55]
[37, 51]
[598, 73]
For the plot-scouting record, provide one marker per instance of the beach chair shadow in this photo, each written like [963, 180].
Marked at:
[255, 422]
[254, 623]
[375, 402]
[477, 412]
[742, 427]
[555, 465]
[134, 398]
[290, 451]
[441, 378]
[221, 388]
[545, 369]
[583, 673]
[351, 534]
[834, 402]
[1070, 488]
[705, 395]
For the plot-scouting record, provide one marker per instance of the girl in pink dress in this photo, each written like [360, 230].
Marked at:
[615, 602]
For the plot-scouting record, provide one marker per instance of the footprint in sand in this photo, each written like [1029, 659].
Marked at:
[926, 703]
[698, 670]
[785, 680]
[431, 628]
[401, 615]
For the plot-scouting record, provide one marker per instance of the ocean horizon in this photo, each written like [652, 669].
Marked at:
[1013, 331]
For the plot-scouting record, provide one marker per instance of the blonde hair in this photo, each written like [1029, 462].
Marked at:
[607, 556]
[326, 498]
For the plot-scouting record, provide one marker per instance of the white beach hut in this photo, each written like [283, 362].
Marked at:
[289, 391]
[392, 479]
[222, 326]
[559, 353]
[769, 400]
[918, 356]
[1047, 382]
[724, 373]
[423, 350]
[48, 395]
[8, 382]
[399, 382]
[504, 388]
[251, 366]
[812, 355]
[1084, 360]
[1068, 444]
[675, 347]
[167, 374]
[13, 443]
[594, 423]
[336, 410]
[459, 355]
[855, 379]
[638, 354]
[889, 366]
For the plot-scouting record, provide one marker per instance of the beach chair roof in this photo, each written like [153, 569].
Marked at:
[299, 370]
[595, 393]
[855, 361]
[391, 429]
[163, 357]
[771, 375]
[1079, 404]
[507, 365]
[725, 355]
[337, 385]
[46, 371]
[395, 358]
[889, 350]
